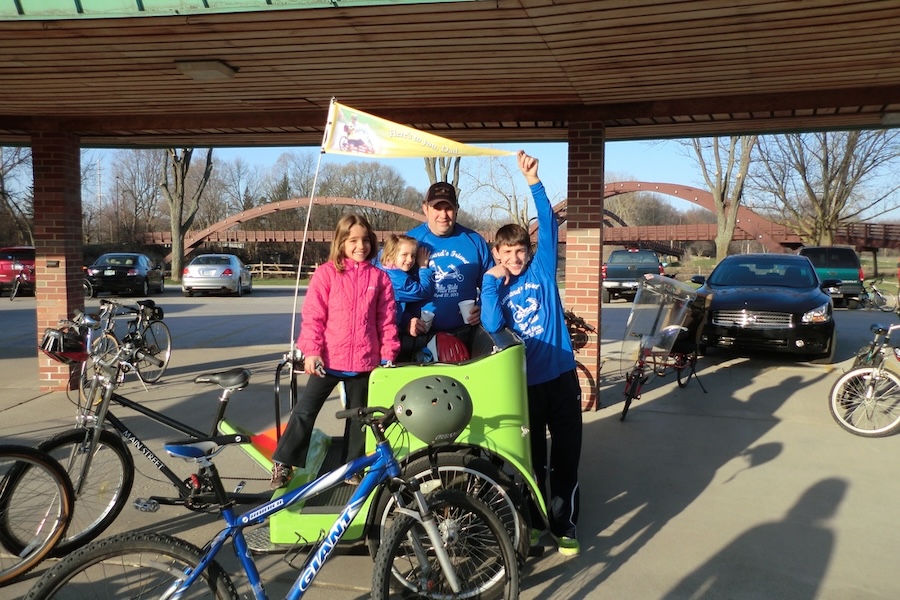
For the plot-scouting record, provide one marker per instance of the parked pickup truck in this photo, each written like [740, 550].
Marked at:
[623, 270]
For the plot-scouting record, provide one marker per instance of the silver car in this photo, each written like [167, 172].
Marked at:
[216, 273]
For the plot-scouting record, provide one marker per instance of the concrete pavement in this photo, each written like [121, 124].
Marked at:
[747, 491]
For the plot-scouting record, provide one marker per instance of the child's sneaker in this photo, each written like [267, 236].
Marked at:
[281, 475]
[568, 546]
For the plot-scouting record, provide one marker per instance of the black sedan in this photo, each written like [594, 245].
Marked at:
[769, 302]
[126, 273]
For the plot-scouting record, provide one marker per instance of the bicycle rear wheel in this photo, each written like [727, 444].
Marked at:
[884, 301]
[103, 348]
[468, 473]
[35, 507]
[14, 290]
[479, 548]
[157, 343]
[866, 402]
[133, 566]
[104, 491]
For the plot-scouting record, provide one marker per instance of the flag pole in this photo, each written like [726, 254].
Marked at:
[312, 194]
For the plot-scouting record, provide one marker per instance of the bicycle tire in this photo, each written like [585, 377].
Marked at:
[474, 537]
[683, 373]
[156, 340]
[103, 347]
[884, 301]
[131, 565]
[88, 289]
[105, 490]
[866, 402]
[14, 290]
[471, 474]
[36, 502]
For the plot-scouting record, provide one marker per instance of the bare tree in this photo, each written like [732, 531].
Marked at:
[183, 203]
[815, 182]
[495, 182]
[724, 164]
[439, 168]
[136, 199]
[16, 195]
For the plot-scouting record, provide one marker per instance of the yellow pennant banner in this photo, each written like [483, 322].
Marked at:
[356, 133]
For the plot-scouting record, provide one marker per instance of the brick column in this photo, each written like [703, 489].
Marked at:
[584, 246]
[58, 240]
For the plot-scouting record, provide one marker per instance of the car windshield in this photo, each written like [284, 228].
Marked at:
[764, 272]
[633, 257]
[114, 260]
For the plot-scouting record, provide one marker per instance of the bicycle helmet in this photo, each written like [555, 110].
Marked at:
[64, 345]
[435, 409]
[447, 348]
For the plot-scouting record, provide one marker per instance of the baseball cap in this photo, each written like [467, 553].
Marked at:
[441, 192]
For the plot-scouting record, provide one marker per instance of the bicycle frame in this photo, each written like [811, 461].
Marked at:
[94, 423]
[382, 466]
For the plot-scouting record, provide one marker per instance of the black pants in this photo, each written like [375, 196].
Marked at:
[555, 406]
[294, 443]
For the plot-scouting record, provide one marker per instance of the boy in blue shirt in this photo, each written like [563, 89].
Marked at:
[521, 292]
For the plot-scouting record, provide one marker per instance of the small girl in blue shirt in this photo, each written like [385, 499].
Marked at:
[399, 258]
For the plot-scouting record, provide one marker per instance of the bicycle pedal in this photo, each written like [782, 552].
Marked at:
[239, 487]
[145, 505]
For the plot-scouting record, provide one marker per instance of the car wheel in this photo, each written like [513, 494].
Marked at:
[604, 296]
[239, 290]
[145, 288]
[187, 294]
[250, 286]
[162, 286]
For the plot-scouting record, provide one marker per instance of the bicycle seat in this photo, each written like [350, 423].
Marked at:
[146, 303]
[193, 449]
[232, 379]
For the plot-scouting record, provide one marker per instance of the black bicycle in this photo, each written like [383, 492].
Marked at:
[98, 460]
[146, 331]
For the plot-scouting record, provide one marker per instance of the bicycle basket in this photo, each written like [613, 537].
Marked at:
[64, 345]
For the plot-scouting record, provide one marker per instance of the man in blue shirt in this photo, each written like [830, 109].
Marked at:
[521, 292]
[459, 258]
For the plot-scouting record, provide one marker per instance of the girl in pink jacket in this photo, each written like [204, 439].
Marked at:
[348, 329]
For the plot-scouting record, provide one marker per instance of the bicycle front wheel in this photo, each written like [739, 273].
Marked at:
[475, 540]
[157, 343]
[14, 290]
[133, 566]
[36, 501]
[684, 369]
[103, 492]
[884, 301]
[866, 402]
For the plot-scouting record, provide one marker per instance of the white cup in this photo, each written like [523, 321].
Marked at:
[427, 317]
[465, 309]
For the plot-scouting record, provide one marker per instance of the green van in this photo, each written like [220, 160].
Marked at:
[837, 262]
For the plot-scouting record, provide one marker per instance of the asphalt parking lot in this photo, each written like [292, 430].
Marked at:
[747, 491]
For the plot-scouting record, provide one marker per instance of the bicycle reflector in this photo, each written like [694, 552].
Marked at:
[64, 345]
